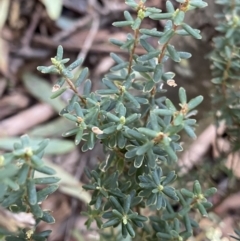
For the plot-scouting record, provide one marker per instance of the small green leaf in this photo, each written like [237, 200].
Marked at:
[173, 53]
[78, 136]
[124, 231]
[46, 180]
[136, 134]
[198, 3]
[59, 52]
[23, 173]
[170, 192]
[202, 209]
[178, 120]
[42, 194]
[191, 31]
[71, 117]
[112, 117]
[171, 153]
[138, 161]
[116, 42]
[127, 204]
[131, 4]
[166, 36]
[136, 24]
[122, 23]
[142, 68]
[182, 96]
[151, 32]
[75, 64]
[190, 131]
[159, 16]
[197, 188]
[210, 192]
[45, 170]
[179, 17]
[107, 92]
[187, 193]
[128, 16]
[31, 191]
[170, 7]
[148, 132]
[131, 98]
[116, 58]
[195, 102]
[48, 218]
[170, 105]
[58, 92]
[111, 222]
[83, 75]
[70, 132]
[130, 230]
[132, 118]
[148, 56]
[41, 146]
[148, 47]
[117, 214]
[12, 198]
[37, 161]
[157, 76]
[170, 178]
[164, 236]
[143, 149]
[119, 66]
[37, 211]
[87, 87]
[116, 204]
[163, 112]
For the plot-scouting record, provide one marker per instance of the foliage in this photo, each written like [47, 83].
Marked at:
[225, 70]
[138, 129]
[226, 93]
[18, 191]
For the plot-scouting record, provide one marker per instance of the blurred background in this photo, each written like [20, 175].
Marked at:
[30, 31]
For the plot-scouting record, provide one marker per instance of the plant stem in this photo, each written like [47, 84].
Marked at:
[136, 33]
[163, 50]
[73, 88]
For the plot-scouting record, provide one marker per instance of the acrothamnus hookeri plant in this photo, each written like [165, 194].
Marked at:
[225, 70]
[19, 194]
[225, 67]
[134, 187]
[138, 128]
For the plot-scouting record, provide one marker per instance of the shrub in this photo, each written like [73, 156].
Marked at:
[226, 92]
[135, 187]
[225, 70]
[18, 191]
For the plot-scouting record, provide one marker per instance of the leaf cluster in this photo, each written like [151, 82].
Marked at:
[225, 70]
[138, 128]
[19, 190]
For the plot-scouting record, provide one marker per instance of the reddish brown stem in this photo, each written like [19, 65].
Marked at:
[73, 88]
[136, 33]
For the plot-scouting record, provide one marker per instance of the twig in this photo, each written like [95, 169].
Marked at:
[23, 121]
[72, 46]
[90, 38]
[78, 24]
[73, 88]
[136, 33]
[33, 24]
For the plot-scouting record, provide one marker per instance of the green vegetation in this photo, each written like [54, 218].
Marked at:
[135, 187]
